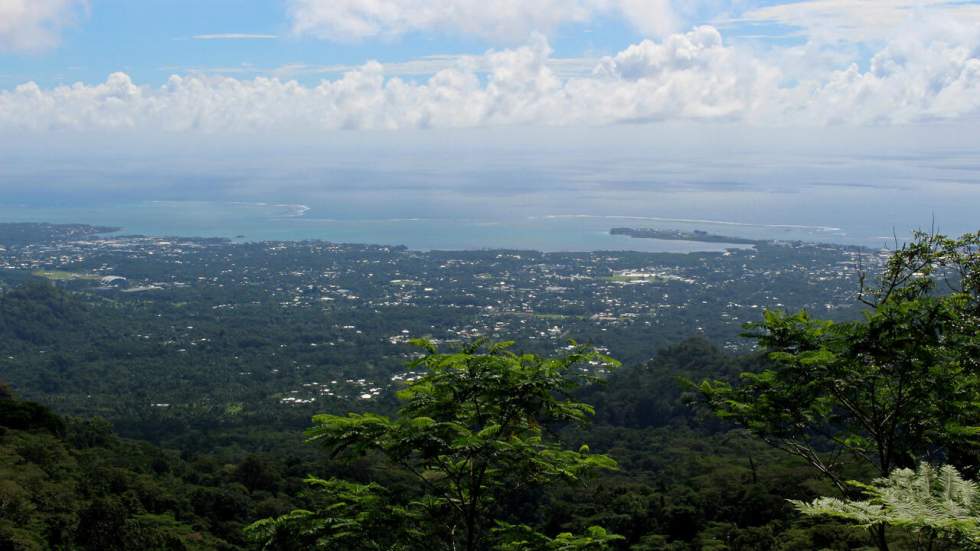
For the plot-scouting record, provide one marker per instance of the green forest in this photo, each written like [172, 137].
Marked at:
[823, 429]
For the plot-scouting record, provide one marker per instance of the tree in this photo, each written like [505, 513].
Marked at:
[522, 538]
[939, 507]
[351, 516]
[898, 386]
[471, 432]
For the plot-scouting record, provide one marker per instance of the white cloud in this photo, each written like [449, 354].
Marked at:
[909, 80]
[693, 76]
[510, 19]
[32, 25]
[859, 20]
[852, 21]
[687, 76]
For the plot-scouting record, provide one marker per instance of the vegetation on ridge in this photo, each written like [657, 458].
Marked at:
[858, 401]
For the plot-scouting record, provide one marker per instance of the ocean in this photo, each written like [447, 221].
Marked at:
[558, 231]
[453, 191]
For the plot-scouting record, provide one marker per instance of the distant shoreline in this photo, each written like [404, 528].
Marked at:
[18, 234]
[678, 235]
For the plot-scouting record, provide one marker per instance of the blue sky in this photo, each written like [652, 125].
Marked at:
[152, 39]
[186, 65]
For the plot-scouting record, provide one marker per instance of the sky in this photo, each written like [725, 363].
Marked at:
[740, 110]
[231, 67]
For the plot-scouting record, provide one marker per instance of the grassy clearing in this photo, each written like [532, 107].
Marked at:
[58, 275]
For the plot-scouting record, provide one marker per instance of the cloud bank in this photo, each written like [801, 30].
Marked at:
[693, 76]
[33, 25]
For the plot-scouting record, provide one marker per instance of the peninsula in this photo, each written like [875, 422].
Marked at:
[678, 235]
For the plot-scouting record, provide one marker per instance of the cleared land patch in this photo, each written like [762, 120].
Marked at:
[59, 275]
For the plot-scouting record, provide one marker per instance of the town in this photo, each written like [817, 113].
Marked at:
[312, 322]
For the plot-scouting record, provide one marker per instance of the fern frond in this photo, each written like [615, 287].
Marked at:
[932, 499]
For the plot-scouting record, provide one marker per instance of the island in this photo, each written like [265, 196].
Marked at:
[678, 235]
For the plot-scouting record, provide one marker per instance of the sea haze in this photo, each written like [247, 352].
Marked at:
[498, 190]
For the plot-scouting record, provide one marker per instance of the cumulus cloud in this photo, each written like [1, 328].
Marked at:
[509, 19]
[693, 76]
[687, 76]
[907, 81]
[31, 25]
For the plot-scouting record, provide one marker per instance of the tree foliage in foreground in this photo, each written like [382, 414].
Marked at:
[939, 507]
[900, 386]
[897, 387]
[472, 434]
